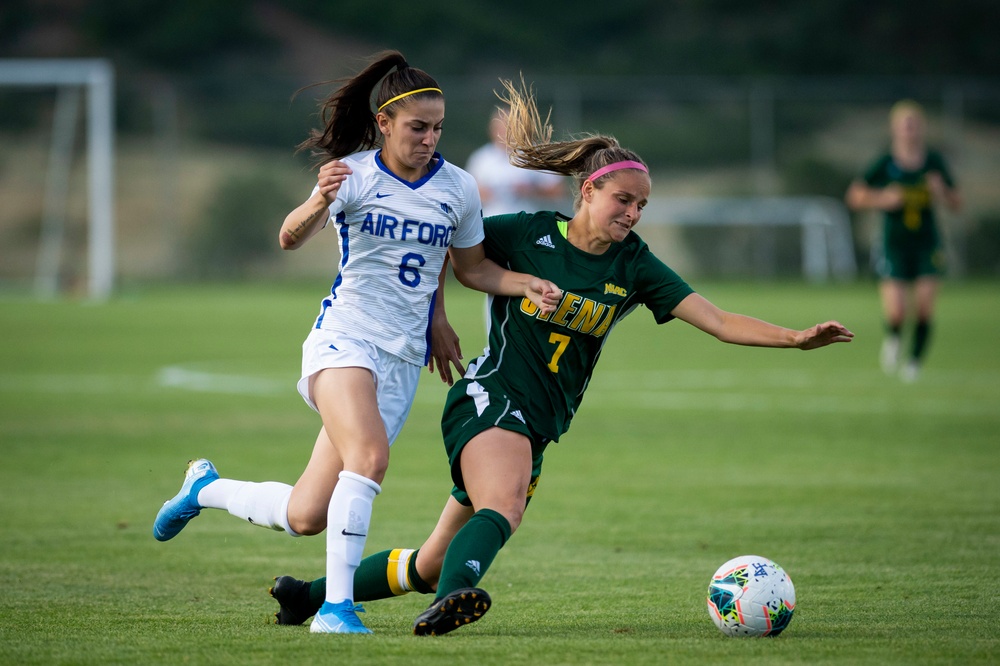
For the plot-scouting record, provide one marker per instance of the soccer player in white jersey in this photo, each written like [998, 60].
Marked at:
[398, 209]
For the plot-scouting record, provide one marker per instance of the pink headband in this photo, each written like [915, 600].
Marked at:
[627, 164]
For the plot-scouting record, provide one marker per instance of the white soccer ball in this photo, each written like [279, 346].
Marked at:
[751, 596]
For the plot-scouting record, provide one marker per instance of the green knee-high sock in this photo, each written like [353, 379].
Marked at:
[375, 578]
[920, 337]
[472, 551]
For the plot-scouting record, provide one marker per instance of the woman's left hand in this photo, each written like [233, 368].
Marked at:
[822, 335]
[543, 293]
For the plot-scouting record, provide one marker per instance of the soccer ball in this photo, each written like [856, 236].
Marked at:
[751, 596]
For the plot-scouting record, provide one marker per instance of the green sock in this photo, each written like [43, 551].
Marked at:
[371, 580]
[920, 337]
[317, 593]
[472, 551]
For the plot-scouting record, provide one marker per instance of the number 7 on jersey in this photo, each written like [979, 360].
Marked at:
[561, 342]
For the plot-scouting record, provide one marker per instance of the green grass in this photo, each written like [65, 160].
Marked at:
[881, 499]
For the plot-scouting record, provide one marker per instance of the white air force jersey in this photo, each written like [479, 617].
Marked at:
[394, 236]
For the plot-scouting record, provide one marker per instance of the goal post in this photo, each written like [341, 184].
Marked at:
[97, 77]
[827, 245]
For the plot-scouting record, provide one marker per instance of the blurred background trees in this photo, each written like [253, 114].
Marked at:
[722, 97]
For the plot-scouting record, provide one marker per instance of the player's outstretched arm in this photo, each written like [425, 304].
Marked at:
[861, 196]
[474, 270]
[743, 330]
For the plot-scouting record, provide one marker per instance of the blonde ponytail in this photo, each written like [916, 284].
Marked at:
[529, 140]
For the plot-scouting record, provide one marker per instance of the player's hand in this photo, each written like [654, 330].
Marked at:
[942, 193]
[892, 197]
[936, 186]
[822, 335]
[445, 349]
[546, 295]
[330, 177]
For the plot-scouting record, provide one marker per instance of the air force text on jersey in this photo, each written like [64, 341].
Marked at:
[384, 225]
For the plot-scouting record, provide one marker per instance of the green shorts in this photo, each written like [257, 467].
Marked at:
[472, 408]
[909, 266]
[907, 259]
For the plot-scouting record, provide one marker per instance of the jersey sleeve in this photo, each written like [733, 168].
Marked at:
[345, 195]
[661, 289]
[470, 227]
[504, 231]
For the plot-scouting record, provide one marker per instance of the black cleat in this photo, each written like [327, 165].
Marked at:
[455, 610]
[292, 596]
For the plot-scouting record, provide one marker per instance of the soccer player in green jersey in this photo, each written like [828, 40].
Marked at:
[906, 183]
[521, 394]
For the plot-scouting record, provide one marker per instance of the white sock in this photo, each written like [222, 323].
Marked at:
[347, 523]
[262, 504]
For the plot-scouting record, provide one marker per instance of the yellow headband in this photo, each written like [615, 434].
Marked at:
[407, 94]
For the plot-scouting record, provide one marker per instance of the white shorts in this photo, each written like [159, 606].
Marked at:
[395, 379]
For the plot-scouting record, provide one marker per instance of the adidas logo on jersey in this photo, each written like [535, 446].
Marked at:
[546, 240]
[517, 415]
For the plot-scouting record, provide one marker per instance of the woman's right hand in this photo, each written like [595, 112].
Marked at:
[302, 223]
[891, 197]
[330, 177]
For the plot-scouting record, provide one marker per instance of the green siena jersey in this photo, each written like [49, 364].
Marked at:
[914, 224]
[544, 363]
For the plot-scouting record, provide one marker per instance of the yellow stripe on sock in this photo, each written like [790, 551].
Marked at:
[397, 571]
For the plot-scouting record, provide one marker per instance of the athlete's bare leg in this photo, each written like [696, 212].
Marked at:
[431, 553]
[349, 408]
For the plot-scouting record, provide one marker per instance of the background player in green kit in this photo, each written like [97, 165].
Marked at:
[523, 392]
[906, 183]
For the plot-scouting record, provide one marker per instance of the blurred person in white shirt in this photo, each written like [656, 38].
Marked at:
[505, 188]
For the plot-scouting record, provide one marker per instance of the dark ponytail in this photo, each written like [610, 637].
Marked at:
[348, 120]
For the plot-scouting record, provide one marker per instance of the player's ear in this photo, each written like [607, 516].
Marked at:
[587, 191]
[384, 123]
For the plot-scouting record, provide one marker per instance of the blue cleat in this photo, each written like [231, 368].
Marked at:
[175, 513]
[339, 618]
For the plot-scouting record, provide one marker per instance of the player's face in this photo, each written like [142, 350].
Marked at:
[411, 137]
[908, 125]
[617, 206]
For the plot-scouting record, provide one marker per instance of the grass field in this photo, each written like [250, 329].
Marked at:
[881, 499]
